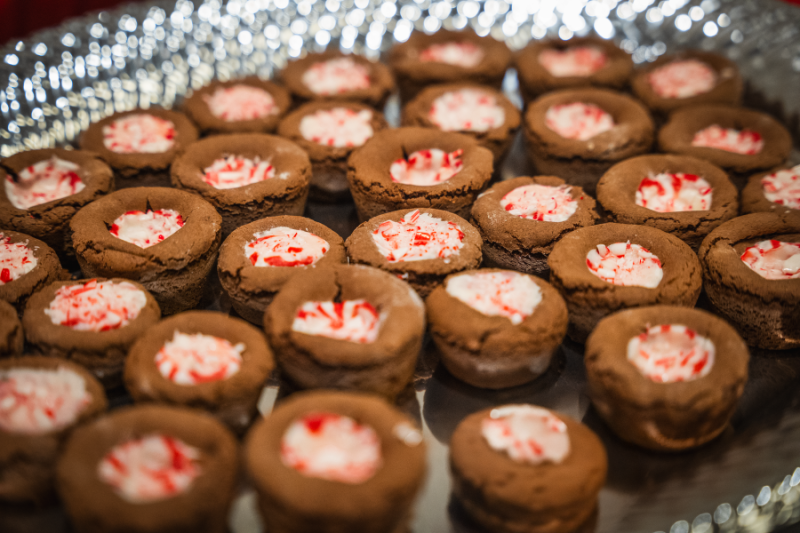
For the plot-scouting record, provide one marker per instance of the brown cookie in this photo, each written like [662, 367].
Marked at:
[16, 250]
[11, 336]
[781, 184]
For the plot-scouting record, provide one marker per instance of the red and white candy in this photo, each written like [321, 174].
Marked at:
[336, 76]
[577, 61]
[427, 167]
[16, 260]
[509, 294]
[783, 187]
[463, 54]
[773, 259]
[96, 306]
[241, 102]
[233, 172]
[351, 320]
[285, 247]
[417, 237]
[540, 202]
[331, 447]
[340, 127]
[669, 353]
[42, 182]
[578, 121]
[746, 142]
[150, 469]
[139, 134]
[671, 193]
[145, 229]
[467, 110]
[623, 263]
[527, 434]
[682, 79]
[193, 359]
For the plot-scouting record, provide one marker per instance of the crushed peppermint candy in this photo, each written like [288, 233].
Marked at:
[527, 434]
[626, 264]
[508, 294]
[34, 401]
[783, 187]
[417, 237]
[139, 134]
[746, 142]
[146, 229]
[42, 182]
[96, 305]
[241, 102]
[339, 127]
[351, 320]
[773, 259]
[682, 79]
[150, 469]
[16, 259]
[193, 359]
[336, 76]
[577, 61]
[669, 353]
[463, 54]
[427, 167]
[467, 110]
[540, 202]
[578, 121]
[285, 247]
[331, 447]
[233, 172]
[671, 193]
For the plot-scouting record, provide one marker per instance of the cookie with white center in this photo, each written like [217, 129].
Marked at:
[739, 140]
[246, 105]
[43, 189]
[256, 260]
[165, 239]
[329, 131]
[140, 145]
[149, 469]
[524, 468]
[496, 328]
[521, 219]
[407, 168]
[666, 378]
[331, 461]
[553, 64]
[201, 359]
[578, 134]
[602, 269]
[349, 327]
[682, 195]
[419, 246]
[11, 336]
[690, 77]
[751, 266]
[479, 111]
[448, 56]
[776, 191]
[245, 176]
[92, 322]
[42, 399]
[332, 75]
[26, 265]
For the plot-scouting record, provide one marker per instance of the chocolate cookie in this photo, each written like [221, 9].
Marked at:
[521, 219]
[26, 265]
[332, 75]
[775, 191]
[602, 269]
[666, 378]
[11, 336]
[201, 359]
[152, 469]
[496, 328]
[245, 176]
[329, 131]
[524, 468]
[682, 195]
[368, 485]
[43, 189]
[246, 105]
[92, 322]
[738, 140]
[479, 111]
[578, 134]
[419, 246]
[140, 145]
[256, 260]
[553, 64]
[690, 77]
[751, 266]
[43, 399]
[347, 327]
[165, 239]
[415, 168]
[448, 57]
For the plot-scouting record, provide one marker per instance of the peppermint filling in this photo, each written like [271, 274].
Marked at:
[427, 167]
[682, 79]
[671, 193]
[96, 306]
[578, 121]
[145, 229]
[16, 260]
[417, 237]
[540, 202]
[625, 264]
[774, 260]
[340, 127]
[669, 353]
[526, 434]
[351, 320]
[576, 61]
[233, 172]
[745, 142]
[467, 110]
[783, 187]
[507, 294]
[139, 134]
[193, 359]
[42, 182]
[241, 102]
[463, 54]
[336, 76]
[285, 247]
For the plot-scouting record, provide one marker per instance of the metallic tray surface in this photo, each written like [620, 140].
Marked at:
[61, 79]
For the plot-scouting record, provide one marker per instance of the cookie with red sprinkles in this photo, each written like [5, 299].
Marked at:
[26, 266]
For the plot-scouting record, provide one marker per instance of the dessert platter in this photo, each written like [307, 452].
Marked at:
[402, 265]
